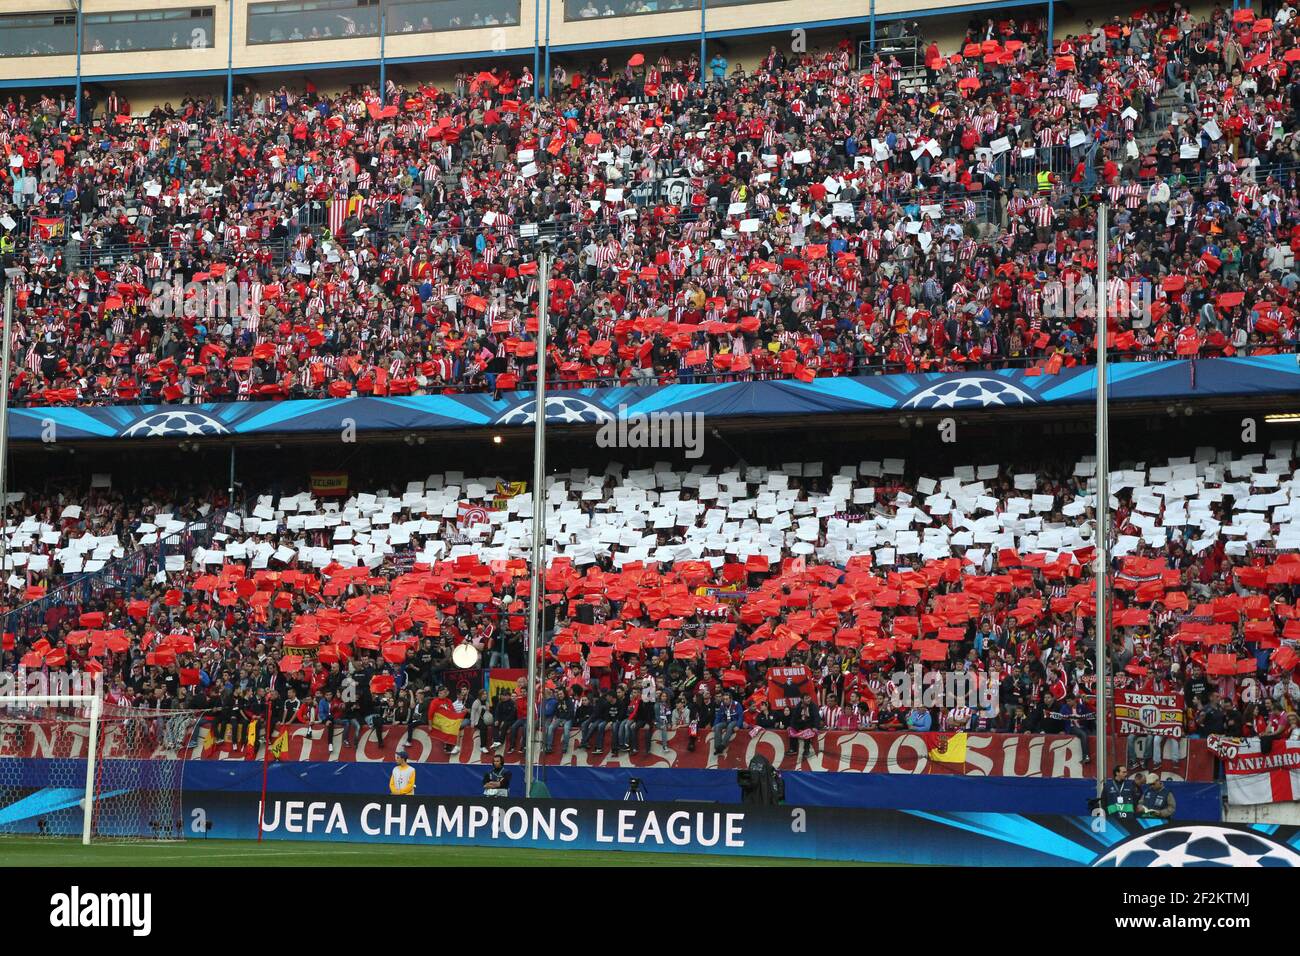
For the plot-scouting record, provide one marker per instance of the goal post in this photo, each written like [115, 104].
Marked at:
[72, 766]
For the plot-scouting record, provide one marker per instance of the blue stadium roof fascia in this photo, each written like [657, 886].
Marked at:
[1259, 376]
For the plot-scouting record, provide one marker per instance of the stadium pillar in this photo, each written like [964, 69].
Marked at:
[1051, 24]
[383, 65]
[536, 577]
[4, 412]
[79, 60]
[1101, 638]
[230, 60]
[872, 26]
[537, 53]
[548, 49]
[704, 15]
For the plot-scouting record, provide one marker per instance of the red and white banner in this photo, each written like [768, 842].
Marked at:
[1138, 712]
[340, 209]
[469, 514]
[849, 751]
[1259, 774]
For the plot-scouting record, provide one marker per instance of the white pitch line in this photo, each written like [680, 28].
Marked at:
[249, 855]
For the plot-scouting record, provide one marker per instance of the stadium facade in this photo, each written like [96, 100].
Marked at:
[141, 47]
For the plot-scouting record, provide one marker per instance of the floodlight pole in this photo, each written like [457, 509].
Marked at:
[536, 570]
[1101, 639]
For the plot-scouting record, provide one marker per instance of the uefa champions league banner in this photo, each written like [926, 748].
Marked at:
[1203, 378]
[812, 833]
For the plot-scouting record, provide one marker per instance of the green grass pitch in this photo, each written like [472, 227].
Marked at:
[25, 852]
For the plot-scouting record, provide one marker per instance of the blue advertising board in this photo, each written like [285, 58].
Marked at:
[685, 811]
[48, 799]
[813, 833]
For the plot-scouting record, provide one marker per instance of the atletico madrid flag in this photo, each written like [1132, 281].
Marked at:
[444, 721]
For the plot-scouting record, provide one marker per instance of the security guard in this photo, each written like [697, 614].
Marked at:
[1045, 181]
[1120, 794]
[1157, 800]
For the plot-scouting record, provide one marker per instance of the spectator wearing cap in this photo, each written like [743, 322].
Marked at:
[1157, 800]
[401, 782]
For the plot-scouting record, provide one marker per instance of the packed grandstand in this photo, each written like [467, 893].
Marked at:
[671, 587]
[825, 220]
[798, 219]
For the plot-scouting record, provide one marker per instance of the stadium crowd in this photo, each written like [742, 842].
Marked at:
[800, 219]
[681, 599]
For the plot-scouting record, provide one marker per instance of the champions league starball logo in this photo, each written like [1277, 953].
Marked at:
[1199, 845]
[183, 424]
[560, 410]
[970, 392]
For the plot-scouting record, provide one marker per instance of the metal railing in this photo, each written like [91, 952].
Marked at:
[89, 255]
[121, 574]
[905, 49]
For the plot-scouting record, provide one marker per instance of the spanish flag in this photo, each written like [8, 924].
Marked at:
[210, 740]
[504, 680]
[947, 750]
[444, 721]
[280, 745]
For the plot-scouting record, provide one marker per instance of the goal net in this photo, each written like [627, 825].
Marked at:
[75, 767]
